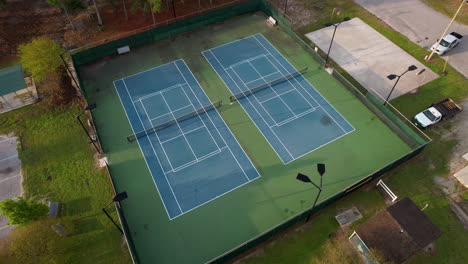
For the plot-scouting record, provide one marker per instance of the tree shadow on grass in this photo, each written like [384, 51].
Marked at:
[78, 206]
[86, 225]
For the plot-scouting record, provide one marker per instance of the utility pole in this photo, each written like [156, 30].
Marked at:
[447, 28]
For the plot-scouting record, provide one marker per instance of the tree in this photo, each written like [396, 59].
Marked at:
[59, 3]
[152, 6]
[22, 211]
[40, 57]
[34, 243]
[2, 3]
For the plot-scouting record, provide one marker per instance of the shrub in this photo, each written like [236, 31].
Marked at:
[22, 211]
[40, 57]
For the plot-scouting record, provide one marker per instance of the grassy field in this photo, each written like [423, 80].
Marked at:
[449, 7]
[413, 180]
[58, 165]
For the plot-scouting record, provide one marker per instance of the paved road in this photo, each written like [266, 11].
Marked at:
[422, 25]
[10, 177]
[369, 57]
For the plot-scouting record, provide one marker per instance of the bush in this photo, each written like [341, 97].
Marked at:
[40, 57]
[34, 243]
[22, 211]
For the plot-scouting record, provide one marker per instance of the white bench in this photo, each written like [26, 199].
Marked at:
[271, 20]
[123, 50]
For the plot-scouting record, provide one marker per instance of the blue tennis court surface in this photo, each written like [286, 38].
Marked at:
[194, 160]
[292, 115]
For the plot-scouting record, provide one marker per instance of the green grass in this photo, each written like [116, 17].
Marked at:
[415, 180]
[449, 7]
[58, 165]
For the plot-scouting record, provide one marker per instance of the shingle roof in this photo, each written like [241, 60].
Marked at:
[399, 232]
[415, 222]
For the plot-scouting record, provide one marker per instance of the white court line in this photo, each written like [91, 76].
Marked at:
[168, 113]
[138, 73]
[214, 56]
[172, 138]
[310, 85]
[157, 136]
[204, 157]
[290, 82]
[245, 61]
[230, 151]
[262, 77]
[221, 136]
[178, 125]
[254, 95]
[273, 90]
[6, 179]
[158, 92]
[301, 84]
[151, 143]
[296, 117]
[138, 142]
[346, 133]
[278, 95]
[194, 108]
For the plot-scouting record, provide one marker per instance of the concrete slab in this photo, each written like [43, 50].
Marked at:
[348, 216]
[10, 177]
[465, 156]
[462, 176]
[370, 57]
[421, 24]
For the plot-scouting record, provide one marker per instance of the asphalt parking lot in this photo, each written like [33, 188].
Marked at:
[10, 177]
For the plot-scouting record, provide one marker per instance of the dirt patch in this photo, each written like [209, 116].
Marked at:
[23, 20]
[302, 13]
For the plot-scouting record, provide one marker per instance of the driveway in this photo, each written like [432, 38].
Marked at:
[369, 57]
[10, 177]
[422, 25]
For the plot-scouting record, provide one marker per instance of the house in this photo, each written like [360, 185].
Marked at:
[397, 233]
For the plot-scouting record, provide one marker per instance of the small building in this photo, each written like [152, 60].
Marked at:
[397, 233]
[15, 90]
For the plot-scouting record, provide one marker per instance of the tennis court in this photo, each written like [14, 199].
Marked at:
[291, 114]
[233, 211]
[191, 153]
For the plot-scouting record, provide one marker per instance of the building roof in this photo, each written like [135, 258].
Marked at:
[399, 232]
[415, 222]
[11, 80]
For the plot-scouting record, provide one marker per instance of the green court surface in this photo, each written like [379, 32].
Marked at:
[225, 223]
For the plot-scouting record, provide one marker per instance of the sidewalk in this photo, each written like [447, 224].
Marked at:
[422, 25]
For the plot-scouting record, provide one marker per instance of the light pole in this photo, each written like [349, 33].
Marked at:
[119, 197]
[303, 178]
[66, 65]
[393, 76]
[333, 37]
[89, 107]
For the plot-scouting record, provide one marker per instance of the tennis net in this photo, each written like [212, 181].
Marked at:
[279, 80]
[169, 123]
